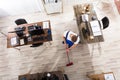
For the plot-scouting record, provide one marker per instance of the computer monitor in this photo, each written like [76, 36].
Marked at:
[35, 30]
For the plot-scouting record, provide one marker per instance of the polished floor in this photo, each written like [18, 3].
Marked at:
[53, 57]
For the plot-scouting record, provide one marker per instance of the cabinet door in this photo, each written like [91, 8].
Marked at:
[52, 6]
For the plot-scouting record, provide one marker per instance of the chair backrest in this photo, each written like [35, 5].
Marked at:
[19, 30]
[20, 21]
[105, 22]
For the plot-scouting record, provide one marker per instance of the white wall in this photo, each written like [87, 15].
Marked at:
[16, 7]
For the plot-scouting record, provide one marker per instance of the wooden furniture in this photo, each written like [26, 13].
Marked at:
[85, 27]
[46, 37]
[102, 76]
[40, 76]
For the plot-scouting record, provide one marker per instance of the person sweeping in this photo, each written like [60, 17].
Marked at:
[71, 40]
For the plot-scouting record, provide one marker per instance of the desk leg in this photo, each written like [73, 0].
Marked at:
[17, 48]
[47, 44]
[98, 47]
[50, 43]
[3, 34]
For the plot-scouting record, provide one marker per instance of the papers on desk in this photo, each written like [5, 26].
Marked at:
[95, 28]
[109, 76]
[14, 41]
[45, 25]
[21, 41]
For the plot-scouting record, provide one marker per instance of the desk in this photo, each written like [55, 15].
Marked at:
[39, 76]
[46, 36]
[102, 76]
[79, 11]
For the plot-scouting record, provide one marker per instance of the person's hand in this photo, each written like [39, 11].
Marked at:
[66, 45]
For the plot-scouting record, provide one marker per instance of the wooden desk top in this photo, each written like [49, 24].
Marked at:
[100, 76]
[40, 76]
[46, 35]
[78, 10]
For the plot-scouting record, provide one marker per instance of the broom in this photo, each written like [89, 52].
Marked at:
[69, 62]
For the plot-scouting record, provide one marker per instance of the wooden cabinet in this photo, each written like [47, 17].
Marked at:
[102, 76]
[53, 6]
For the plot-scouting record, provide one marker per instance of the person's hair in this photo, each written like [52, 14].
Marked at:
[74, 38]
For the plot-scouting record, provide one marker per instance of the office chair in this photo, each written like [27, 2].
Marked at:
[20, 21]
[105, 22]
[19, 30]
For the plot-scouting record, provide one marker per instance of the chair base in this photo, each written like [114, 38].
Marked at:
[36, 45]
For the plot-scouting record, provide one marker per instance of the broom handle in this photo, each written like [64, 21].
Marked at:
[67, 54]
